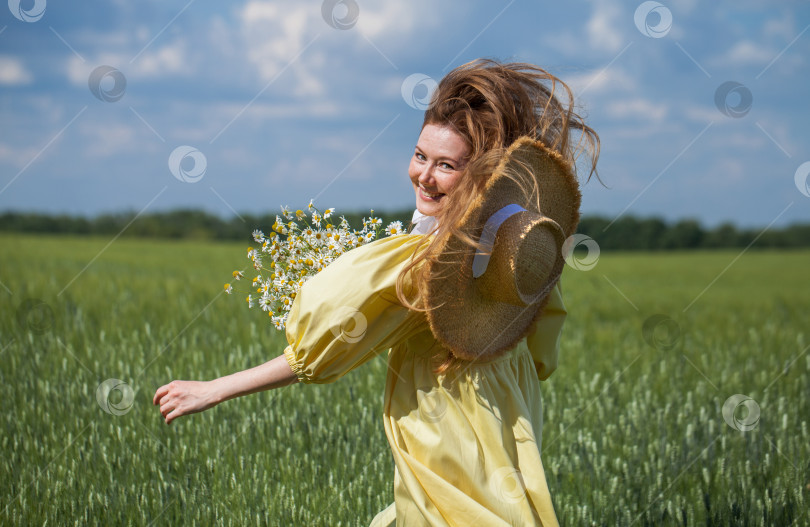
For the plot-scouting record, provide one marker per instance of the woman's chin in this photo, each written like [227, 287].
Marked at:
[428, 209]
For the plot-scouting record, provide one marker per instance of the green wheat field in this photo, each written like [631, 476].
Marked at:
[635, 431]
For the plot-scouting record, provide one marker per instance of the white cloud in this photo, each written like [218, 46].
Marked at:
[748, 141]
[169, 60]
[263, 112]
[603, 27]
[275, 37]
[565, 43]
[606, 31]
[639, 132]
[613, 79]
[13, 72]
[110, 139]
[641, 109]
[396, 18]
[226, 119]
[747, 52]
[78, 71]
[783, 27]
[682, 6]
[17, 156]
[701, 113]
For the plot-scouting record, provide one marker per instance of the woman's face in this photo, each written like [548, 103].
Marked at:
[437, 163]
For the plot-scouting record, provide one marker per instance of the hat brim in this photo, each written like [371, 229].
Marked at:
[462, 318]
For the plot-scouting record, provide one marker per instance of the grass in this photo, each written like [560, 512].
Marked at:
[634, 428]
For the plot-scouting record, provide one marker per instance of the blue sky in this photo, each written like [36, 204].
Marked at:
[277, 106]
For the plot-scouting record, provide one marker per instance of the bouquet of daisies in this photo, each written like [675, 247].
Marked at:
[298, 249]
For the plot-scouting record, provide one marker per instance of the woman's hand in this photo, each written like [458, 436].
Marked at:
[184, 397]
[188, 397]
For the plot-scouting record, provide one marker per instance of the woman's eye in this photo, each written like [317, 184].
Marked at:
[446, 166]
[419, 156]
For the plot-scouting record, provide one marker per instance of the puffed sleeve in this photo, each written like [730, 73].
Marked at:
[544, 340]
[349, 312]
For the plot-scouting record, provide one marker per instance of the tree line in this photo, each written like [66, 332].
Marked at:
[625, 233]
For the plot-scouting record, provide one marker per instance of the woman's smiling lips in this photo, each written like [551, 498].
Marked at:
[430, 196]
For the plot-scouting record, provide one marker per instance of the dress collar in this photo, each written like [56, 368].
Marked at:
[424, 224]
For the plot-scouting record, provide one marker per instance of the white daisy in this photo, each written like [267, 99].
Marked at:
[394, 229]
[279, 281]
[265, 302]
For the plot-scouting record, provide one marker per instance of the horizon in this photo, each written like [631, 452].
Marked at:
[387, 212]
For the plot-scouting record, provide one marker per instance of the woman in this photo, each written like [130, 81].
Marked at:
[462, 409]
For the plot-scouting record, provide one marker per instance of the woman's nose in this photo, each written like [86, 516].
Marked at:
[427, 173]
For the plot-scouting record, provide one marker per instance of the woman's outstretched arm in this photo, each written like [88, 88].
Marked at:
[188, 397]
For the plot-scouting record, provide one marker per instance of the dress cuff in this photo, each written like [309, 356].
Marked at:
[289, 354]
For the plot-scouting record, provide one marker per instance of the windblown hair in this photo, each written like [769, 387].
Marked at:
[491, 104]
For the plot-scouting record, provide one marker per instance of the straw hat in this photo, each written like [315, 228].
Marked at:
[483, 304]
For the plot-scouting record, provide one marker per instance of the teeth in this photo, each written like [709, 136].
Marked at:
[429, 194]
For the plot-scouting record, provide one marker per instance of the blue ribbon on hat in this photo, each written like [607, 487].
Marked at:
[481, 259]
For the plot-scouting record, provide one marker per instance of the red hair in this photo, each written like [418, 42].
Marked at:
[491, 104]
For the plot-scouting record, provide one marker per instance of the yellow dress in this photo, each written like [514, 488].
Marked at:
[467, 453]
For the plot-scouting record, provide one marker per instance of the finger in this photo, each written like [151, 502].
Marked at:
[173, 415]
[166, 409]
[160, 393]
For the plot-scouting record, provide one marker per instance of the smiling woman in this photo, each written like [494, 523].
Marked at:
[469, 310]
[437, 163]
